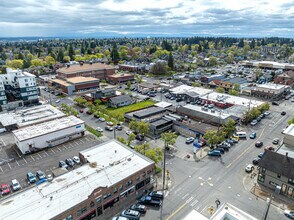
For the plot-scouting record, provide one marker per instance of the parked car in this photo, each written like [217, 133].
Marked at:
[101, 119]
[5, 189]
[139, 208]
[15, 185]
[283, 113]
[140, 137]
[148, 200]
[156, 194]
[99, 129]
[109, 128]
[249, 168]
[276, 141]
[258, 119]
[215, 153]
[131, 214]
[275, 103]
[266, 113]
[190, 140]
[220, 149]
[109, 123]
[69, 162]
[89, 112]
[57, 101]
[81, 110]
[259, 144]
[254, 122]
[269, 148]
[76, 160]
[49, 177]
[63, 164]
[289, 214]
[31, 177]
[118, 127]
[119, 218]
[253, 135]
[260, 155]
[41, 175]
[256, 161]
[96, 116]
[129, 132]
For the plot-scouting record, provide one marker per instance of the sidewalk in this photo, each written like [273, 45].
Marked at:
[158, 182]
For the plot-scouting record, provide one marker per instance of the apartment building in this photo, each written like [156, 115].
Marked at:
[3, 98]
[20, 85]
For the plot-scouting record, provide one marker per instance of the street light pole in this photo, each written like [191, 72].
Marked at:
[114, 133]
[268, 202]
[163, 180]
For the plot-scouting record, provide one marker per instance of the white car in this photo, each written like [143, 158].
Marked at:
[289, 214]
[15, 185]
[101, 119]
[57, 101]
[266, 113]
[254, 122]
[76, 159]
[249, 168]
[99, 129]
[129, 132]
[49, 177]
[109, 123]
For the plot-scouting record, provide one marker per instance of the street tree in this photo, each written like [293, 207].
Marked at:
[212, 137]
[233, 92]
[15, 64]
[169, 138]
[291, 121]
[220, 90]
[131, 137]
[196, 84]
[170, 61]
[212, 61]
[71, 52]
[229, 127]
[114, 53]
[154, 154]
[159, 68]
[140, 127]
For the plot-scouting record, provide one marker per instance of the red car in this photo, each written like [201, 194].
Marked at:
[5, 189]
[81, 110]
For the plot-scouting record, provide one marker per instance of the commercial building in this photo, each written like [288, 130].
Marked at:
[146, 114]
[270, 91]
[120, 78]
[189, 93]
[204, 114]
[75, 84]
[19, 85]
[286, 78]
[207, 79]
[224, 212]
[29, 116]
[48, 134]
[112, 178]
[104, 94]
[267, 65]
[120, 101]
[126, 67]
[95, 70]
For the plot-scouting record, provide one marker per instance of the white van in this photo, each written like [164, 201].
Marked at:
[241, 134]
[2, 130]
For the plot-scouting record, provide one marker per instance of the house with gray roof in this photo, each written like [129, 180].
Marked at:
[120, 101]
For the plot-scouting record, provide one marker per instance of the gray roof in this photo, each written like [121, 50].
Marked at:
[278, 163]
[120, 99]
[236, 80]
[148, 112]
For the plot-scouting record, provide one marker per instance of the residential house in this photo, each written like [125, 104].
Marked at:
[207, 79]
[214, 83]
[286, 78]
[120, 101]
[277, 172]
[104, 94]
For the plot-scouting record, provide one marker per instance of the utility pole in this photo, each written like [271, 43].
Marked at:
[114, 132]
[163, 179]
[268, 202]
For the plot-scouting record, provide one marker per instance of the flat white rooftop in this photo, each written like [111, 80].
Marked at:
[163, 104]
[235, 100]
[46, 127]
[290, 130]
[75, 186]
[29, 116]
[272, 86]
[218, 114]
[184, 88]
[230, 212]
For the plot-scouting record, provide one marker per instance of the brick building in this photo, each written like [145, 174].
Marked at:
[75, 84]
[286, 78]
[120, 78]
[96, 70]
[112, 177]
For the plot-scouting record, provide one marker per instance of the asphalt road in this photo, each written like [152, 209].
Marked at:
[198, 185]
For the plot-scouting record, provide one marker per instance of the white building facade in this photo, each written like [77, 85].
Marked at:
[3, 98]
[48, 134]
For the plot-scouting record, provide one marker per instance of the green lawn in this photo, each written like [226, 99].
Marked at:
[129, 108]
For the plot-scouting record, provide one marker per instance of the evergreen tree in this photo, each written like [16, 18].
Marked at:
[83, 49]
[26, 63]
[60, 56]
[114, 53]
[71, 52]
[20, 56]
[170, 61]
[241, 43]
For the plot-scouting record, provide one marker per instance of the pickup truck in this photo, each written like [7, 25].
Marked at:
[148, 200]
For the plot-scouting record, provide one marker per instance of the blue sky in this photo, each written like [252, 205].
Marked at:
[98, 18]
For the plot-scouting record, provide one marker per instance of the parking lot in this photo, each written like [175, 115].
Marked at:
[45, 160]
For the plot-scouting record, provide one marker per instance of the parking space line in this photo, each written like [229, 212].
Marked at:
[1, 169]
[39, 155]
[59, 149]
[76, 143]
[81, 140]
[24, 160]
[52, 151]
[3, 142]
[46, 153]
[71, 145]
[64, 146]
[9, 165]
[33, 158]
[17, 162]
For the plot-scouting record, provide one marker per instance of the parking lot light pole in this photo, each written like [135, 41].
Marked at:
[114, 133]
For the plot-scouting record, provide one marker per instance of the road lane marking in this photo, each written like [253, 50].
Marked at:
[203, 209]
[190, 199]
[9, 165]
[278, 121]
[194, 203]
[176, 191]
[59, 149]
[17, 162]
[185, 196]
[175, 212]
[1, 169]
[250, 146]
[3, 142]
[25, 160]
[33, 158]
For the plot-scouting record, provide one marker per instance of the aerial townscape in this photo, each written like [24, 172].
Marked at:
[128, 110]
